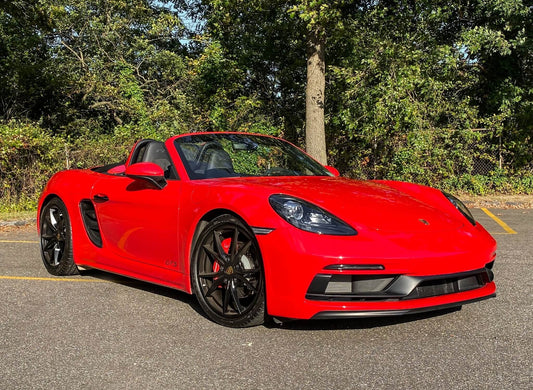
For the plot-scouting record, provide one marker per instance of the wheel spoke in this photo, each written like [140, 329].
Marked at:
[47, 236]
[50, 245]
[234, 243]
[218, 244]
[241, 253]
[247, 283]
[53, 221]
[216, 284]
[61, 225]
[57, 254]
[235, 296]
[226, 298]
[50, 228]
[214, 256]
[210, 275]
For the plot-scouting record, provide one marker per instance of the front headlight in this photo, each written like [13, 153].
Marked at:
[309, 217]
[461, 207]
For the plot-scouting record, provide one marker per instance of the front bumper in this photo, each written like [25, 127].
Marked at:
[412, 274]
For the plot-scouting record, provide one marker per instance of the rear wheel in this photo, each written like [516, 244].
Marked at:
[56, 239]
[227, 274]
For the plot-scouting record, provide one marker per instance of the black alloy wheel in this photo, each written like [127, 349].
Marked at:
[227, 273]
[56, 239]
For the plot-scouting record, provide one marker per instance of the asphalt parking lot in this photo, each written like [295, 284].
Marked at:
[98, 331]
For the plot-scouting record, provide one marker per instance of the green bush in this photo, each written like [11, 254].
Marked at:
[497, 182]
[29, 155]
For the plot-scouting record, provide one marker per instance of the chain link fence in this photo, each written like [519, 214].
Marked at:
[426, 157]
[486, 153]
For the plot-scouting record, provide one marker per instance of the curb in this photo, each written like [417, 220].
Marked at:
[498, 204]
[19, 223]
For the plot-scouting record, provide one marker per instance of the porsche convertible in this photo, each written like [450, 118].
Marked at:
[257, 229]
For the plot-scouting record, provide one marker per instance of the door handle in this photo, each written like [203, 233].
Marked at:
[100, 198]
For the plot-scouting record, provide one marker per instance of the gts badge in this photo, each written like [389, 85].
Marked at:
[171, 263]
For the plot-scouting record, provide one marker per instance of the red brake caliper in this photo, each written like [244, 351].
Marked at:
[226, 244]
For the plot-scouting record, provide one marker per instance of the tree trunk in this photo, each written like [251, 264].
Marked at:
[315, 135]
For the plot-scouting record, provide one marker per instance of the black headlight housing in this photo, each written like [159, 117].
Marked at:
[309, 217]
[461, 207]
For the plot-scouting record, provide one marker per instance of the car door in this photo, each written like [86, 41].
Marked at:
[138, 222]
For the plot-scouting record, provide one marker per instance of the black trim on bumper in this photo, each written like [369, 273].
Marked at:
[328, 315]
[386, 287]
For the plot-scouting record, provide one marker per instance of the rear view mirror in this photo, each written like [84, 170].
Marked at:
[248, 146]
[147, 171]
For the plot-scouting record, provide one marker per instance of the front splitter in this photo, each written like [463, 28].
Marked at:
[328, 315]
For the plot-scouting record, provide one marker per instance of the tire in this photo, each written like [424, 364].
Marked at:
[56, 239]
[227, 274]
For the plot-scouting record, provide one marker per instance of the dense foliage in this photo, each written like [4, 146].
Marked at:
[439, 93]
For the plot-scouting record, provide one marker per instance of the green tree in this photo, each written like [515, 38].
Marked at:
[401, 78]
[218, 94]
[321, 19]
[89, 66]
[124, 63]
[400, 84]
[266, 49]
[27, 87]
[407, 89]
[498, 46]
[279, 47]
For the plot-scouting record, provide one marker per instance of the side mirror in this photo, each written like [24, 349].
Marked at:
[147, 171]
[333, 170]
[119, 169]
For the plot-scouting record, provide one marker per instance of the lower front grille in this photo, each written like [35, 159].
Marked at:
[433, 288]
[337, 287]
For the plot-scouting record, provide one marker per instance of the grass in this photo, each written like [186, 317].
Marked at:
[17, 215]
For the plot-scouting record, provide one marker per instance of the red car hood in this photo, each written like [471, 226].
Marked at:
[360, 203]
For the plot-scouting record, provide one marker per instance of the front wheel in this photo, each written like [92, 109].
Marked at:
[227, 274]
[56, 239]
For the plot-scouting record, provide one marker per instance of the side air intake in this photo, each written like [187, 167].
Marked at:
[88, 214]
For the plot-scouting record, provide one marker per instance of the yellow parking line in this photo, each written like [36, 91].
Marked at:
[499, 221]
[53, 279]
[19, 242]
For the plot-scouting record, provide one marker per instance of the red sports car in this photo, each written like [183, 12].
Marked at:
[255, 228]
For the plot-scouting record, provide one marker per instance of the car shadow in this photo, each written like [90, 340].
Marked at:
[282, 324]
[144, 286]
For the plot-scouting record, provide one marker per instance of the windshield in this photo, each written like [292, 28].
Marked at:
[215, 155]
